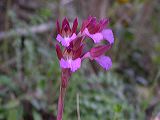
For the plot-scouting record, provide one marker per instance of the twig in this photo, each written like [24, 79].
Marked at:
[78, 111]
[103, 8]
[64, 2]
[6, 27]
[27, 31]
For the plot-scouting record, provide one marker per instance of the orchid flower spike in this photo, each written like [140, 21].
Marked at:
[71, 52]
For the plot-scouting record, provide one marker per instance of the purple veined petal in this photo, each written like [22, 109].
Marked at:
[58, 26]
[59, 52]
[99, 50]
[75, 24]
[108, 35]
[77, 42]
[66, 40]
[72, 64]
[78, 52]
[103, 23]
[104, 61]
[85, 23]
[65, 22]
[97, 37]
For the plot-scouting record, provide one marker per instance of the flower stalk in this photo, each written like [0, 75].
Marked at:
[64, 84]
[61, 102]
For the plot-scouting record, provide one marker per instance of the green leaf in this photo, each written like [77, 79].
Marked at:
[12, 114]
[12, 104]
[36, 116]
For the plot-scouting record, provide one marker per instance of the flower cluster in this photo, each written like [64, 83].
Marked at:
[73, 43]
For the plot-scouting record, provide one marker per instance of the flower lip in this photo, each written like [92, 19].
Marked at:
[105, 34]
[72, 64]
[66, 40]
[97, 37]
[104, 61]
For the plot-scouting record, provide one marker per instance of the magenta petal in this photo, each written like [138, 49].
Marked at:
[75, 24]
[72, 64]
[87, 55]
[59, 38]
[64, 64]
[104, 61]
[58, 27]
[59, 52]
[99, 50]
[108, 35]
[65, 22]
[97, 37]
[66, 40]
[73, 36]
[75, 64]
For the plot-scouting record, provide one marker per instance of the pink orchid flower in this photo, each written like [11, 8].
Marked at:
[96, 30]
[73, 53]
[66, 34]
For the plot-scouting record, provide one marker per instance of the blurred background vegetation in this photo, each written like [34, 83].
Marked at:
[29, 69]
